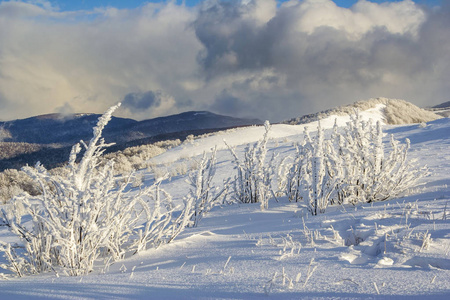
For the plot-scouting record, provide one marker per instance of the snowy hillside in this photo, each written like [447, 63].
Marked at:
[395, 112]
[398, 248]
[239, 136]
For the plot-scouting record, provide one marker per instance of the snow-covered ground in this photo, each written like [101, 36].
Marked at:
[239, 136]
[398, 248]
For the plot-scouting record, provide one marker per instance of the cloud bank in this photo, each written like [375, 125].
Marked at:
[243, 58]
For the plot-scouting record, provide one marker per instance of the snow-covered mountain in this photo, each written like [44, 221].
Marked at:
[395, 249]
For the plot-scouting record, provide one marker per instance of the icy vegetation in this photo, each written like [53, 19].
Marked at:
[345, 208]
[86, 215]
[350, 167]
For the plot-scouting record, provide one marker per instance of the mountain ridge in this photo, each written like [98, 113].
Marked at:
[70, 129]
[48, 138]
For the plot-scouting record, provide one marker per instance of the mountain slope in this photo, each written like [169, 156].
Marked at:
[49, 138]
[395, 112]
[239, 136]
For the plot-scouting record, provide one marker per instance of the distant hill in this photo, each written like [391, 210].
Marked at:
[395, 112]
[192, 120]
[67, 130]
[49, 138]
[443, 105]
[442, 109]
[58, 129]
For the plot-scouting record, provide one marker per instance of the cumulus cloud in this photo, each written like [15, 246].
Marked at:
[245, 58]
[327, 55]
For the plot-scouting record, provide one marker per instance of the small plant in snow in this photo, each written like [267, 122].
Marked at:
[290, 247]
[254, 178]
[203, 194]
[310, 271]
[278, 281]
[320, 175]
[426, 241]
[291, 175]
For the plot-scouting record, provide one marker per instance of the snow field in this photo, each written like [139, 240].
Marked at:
[398, 248]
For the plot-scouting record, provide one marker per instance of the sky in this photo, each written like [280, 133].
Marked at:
[250, 58]
[70, 5]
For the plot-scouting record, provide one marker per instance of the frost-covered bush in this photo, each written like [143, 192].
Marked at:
[202, 193]
[83, 215]
[370, 171]
[313, 175]
[352, 166]
[135, 158]
[252, 184]
[317, 173]
[14, 182]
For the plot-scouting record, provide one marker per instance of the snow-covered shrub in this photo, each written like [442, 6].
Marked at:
[203, 194]
[14, 182]
[8, 191]
[316, 172]
[403, 112]
[291, 173]
[313, 175]
[136, 158]
[169, 144]
[159, 171]
[252, 184]
[159, 228]
[370, 172]
[283, 176]
[83, 215]
[352, 166]
[189, 140]
[74, 219]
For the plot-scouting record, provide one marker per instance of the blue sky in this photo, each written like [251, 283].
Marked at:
[70, 5]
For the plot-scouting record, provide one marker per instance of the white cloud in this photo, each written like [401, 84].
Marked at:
[267, 61]
[396, 17]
